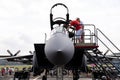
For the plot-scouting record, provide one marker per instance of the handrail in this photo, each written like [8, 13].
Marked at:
[108, 39]
[90, 34]
[103, 43]
[95, 32]
[91, 31]
[98, 30]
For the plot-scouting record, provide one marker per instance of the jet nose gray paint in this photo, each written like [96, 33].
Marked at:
[59, 49]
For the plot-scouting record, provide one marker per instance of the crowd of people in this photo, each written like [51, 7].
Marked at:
[7, 71]
[10, 70]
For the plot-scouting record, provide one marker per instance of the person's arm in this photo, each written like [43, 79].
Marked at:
[68, 27]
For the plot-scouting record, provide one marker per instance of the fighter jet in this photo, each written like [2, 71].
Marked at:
[59, 49]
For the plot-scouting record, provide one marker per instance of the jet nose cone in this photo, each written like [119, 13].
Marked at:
[59, 58]
[59, 49]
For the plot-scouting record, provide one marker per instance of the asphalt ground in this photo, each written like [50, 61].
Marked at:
[54, 79]
[64, 79]
[40, 78]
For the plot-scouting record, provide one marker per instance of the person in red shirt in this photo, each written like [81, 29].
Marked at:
[3, 71]
[79, 28]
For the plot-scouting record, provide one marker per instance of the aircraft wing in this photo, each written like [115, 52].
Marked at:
[27, 59]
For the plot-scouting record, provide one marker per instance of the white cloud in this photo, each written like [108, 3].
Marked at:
[23, 22]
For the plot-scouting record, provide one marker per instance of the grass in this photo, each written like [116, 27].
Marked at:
[19, 67]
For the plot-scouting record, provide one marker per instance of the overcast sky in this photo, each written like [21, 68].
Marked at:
[25, 22]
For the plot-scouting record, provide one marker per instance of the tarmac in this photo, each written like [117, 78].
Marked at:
[47, 79]
[64, 79]
[40, 78]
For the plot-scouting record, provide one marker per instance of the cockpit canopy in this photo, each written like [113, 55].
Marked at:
[59, 29]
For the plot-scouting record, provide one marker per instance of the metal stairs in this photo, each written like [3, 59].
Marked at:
[103, 62]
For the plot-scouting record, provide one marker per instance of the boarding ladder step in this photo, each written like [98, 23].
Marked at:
[101, 61]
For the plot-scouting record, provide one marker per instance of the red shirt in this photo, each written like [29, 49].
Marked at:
[76, 24]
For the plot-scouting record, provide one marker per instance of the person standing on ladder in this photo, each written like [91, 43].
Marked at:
[79, 28]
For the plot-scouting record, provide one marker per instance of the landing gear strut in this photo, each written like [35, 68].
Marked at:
[75, 75]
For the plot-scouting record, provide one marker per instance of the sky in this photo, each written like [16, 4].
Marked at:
[25, 22]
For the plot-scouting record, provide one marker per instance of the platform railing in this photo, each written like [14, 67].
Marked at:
[88, 35]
